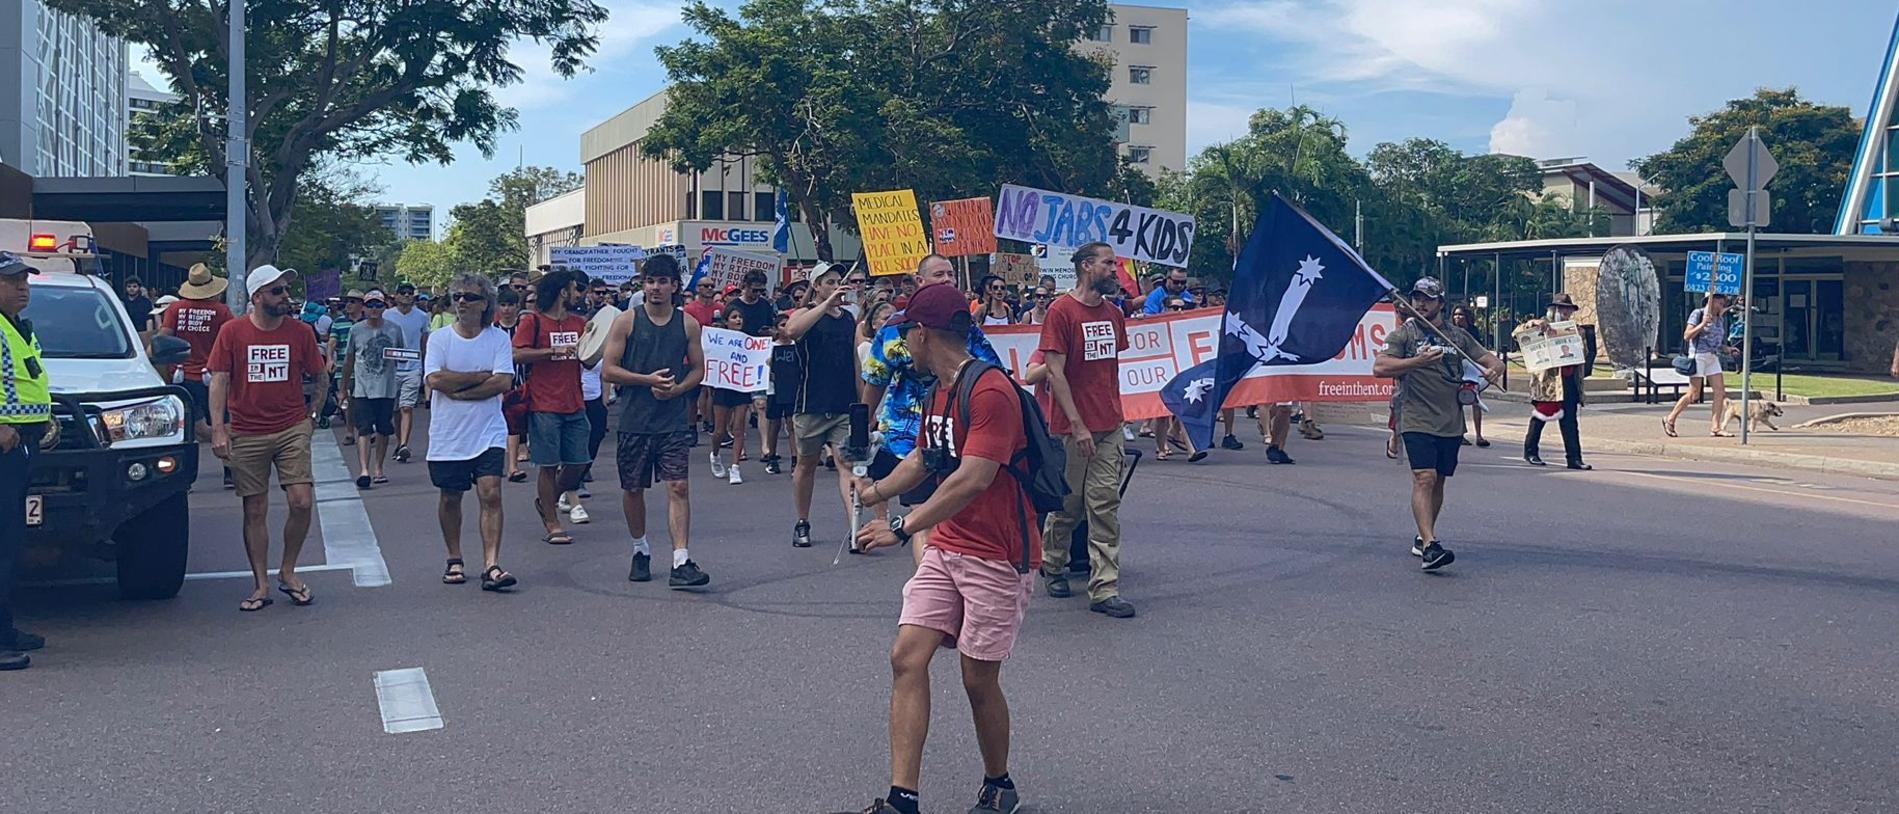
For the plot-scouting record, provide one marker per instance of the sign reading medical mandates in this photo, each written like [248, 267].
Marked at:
[1705, 270]
[614, 264]
[1070, 221]
[963, 227]
[892, 229]
[736, 361]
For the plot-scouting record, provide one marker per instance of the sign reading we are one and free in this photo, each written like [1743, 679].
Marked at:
[736, 360]
[1059, 219]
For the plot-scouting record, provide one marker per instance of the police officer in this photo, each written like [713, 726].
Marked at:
[26, 412]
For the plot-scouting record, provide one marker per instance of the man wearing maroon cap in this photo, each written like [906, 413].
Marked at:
[971, 587]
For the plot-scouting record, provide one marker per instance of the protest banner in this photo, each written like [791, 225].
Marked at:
[323, 285]
[1014, 269]
[1558, 344]
[963, 227]
[1058, 219]
[614, 264]
[1057, 262]
[1160, 347]
[728, 266]
[736, 361]
[892, 231]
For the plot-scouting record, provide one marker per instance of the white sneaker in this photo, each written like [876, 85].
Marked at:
[563, 506]
[718, 466]
[732, 475]
[578, 514]
[1127, 432]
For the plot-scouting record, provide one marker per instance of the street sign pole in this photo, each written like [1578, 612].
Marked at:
[1747, 277]
[236, 170]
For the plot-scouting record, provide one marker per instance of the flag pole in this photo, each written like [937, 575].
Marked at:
[1404, 305]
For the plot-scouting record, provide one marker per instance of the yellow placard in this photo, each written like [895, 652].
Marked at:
[892, 228]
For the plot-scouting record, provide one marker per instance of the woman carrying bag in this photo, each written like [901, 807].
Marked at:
[1707, 340]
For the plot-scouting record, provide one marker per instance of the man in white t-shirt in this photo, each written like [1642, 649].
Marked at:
[468, 367]
[414, 323]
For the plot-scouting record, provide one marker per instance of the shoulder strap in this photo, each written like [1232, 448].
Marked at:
[965, 386]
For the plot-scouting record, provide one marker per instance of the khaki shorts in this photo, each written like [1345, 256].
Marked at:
[814, 430]
[252, 457]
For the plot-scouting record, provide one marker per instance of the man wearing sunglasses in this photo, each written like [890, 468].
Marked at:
[374, 385]
[1431, 419]
[414, 323]
[258, 423]
[1173, 286]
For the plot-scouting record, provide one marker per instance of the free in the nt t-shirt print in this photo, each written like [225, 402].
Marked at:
[564, 343]
[268, 363]
[1098, 341]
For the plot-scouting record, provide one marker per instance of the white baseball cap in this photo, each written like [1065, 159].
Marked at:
[261, 277]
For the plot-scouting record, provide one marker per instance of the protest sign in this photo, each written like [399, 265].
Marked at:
[1058, 219]
[892, 230]
[1558, 344]
[963, 227]
[736, 361]
[1057, 262]
[614, 264]
[1160, 347]
[728, 266]
[323, 285]
[1014, 269]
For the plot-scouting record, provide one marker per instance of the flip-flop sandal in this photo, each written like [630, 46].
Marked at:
[1163, 454]
[362, 482]
[255, 604]
[1483, 442]
[298, 596]
[1197, 457]
[495, 579]
[349, 442]
[379, 480]
[1668, 428]
[517, 477]
[558, 538]
[453, 574]
[1720, 434]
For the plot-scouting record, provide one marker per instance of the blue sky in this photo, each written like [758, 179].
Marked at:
[1609, 79]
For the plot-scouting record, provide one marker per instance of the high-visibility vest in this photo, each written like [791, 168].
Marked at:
[24, 398]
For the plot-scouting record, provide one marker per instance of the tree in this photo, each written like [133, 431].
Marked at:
[947, 97]
[1813, 143]
[486, 238]
[426, 263]
[334, 223]
[526, 186]
[349, 81]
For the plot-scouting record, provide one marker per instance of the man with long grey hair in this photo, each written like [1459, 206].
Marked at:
[466, 370]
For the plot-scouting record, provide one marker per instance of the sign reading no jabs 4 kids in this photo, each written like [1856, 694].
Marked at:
[1069, 221]
[892, 228]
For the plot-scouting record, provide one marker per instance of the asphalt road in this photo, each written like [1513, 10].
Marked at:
[1655, 636]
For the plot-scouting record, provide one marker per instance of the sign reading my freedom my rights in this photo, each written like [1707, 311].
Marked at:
[1059, 219]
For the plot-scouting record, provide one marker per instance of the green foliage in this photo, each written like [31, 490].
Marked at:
[486, 238]
[1814, 145]
[524, 187]
[350, 80]
[948, 97]
[426, 263]
[335, 223]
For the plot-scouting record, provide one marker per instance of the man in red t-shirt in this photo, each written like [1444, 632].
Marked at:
[971, 587]
[259, 421]
[547, 343]
[196, 318]
[1082, 343]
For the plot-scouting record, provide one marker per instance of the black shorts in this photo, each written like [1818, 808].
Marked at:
[460, 476]
[1428, 451]
[200, 399]
[779, 410]
[885, 463]
[374, 416]
[644, 458]
[722, 397]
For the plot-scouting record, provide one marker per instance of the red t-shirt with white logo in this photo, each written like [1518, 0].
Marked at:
[266, 372]
[197, 322]
[991, 526]
[553, 385]
[1090, 339]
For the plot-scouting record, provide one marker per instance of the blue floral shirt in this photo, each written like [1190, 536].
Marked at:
[890, 367]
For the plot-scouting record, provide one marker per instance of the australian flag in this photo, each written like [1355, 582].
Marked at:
[781, 229]
[1297, 297]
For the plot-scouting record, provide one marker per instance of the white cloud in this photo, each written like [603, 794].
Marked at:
[1211, 123]
[629, 25]
[1538, 126]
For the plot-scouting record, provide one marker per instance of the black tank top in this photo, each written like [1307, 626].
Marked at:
[650, 348]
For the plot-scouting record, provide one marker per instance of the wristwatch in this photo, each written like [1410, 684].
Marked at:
[896, 527]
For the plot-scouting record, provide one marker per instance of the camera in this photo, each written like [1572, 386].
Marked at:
[938, 461]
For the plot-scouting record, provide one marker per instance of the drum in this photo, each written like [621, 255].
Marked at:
[593, 338]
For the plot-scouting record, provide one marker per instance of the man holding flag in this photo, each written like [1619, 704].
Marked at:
[1429, 357]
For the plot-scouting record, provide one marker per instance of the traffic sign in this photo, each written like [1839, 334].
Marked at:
[1707, 269]
[1737, 208]
[1764, 164]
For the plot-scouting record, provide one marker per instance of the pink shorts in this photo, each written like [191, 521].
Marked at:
[977, 604]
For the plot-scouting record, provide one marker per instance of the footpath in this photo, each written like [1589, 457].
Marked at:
[1611, 423]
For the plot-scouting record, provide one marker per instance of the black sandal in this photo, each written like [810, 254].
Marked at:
[254, 604]
[495, 579]
[518, 476]
[453, 574]
[362, 481]
[298, 596]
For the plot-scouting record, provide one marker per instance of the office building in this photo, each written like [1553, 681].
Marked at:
[1148, 46]
[62, 94]
[143, 103]
[408, 221]
[556, 222]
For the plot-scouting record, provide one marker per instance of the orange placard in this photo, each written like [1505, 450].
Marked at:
[963, 227]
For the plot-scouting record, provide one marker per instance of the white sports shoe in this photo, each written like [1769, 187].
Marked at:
[578, 514]
[563, 506]
[1127, 432]
[732, 475]
[718, 466]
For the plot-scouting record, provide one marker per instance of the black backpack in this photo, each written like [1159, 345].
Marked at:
[1041, 468]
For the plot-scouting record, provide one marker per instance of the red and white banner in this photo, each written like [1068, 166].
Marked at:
[1160, 347]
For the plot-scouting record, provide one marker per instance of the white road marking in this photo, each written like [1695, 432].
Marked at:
[301, 569]
[406, 701]
[348, 537]
[1782, 492]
